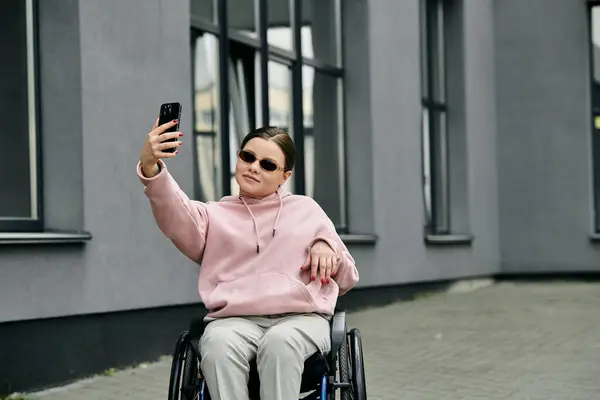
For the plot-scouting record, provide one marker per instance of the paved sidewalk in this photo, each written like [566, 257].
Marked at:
[509, 341]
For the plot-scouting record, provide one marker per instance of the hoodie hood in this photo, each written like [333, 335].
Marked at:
[247, 201]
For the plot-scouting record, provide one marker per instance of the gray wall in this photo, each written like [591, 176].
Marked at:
[385, 94]
[135, 56]
[544, 162]
[106, 68]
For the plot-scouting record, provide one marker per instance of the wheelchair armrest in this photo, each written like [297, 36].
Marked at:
[338, 333]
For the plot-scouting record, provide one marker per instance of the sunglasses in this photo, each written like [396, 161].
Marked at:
[265, 163]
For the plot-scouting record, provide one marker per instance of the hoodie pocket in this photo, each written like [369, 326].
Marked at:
[321, 294]
[260, 294]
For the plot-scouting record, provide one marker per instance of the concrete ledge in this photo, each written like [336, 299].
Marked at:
[569, 276]
[450, 239]
[358, 238]
[44, 237]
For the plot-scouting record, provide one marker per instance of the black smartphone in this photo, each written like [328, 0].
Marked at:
[169, 112]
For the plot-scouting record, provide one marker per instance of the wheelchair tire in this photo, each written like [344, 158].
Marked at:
[345, 370]
[358, 367]
[177, 367]
[190, 381]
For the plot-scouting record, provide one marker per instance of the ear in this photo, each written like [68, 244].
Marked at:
[286, 176]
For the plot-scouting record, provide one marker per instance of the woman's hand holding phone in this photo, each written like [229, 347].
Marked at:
[155, 146]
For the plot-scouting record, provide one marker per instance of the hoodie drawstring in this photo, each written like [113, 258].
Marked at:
[255, 223]
[278, 213]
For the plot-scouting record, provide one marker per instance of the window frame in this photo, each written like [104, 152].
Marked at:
[295, 61]
[35, 222]
[434, 102]
[594, 139]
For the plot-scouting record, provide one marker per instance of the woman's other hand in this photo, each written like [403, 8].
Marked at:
[155, 146]
[322, 262]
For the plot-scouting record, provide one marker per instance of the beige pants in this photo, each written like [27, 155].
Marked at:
[280, 345]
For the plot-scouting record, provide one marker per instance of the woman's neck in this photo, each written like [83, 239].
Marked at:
[253, 196]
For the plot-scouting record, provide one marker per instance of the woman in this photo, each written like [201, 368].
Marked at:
[272, 264]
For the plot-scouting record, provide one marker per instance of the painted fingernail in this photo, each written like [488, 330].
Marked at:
[174, 121]
[328, 280]
[181, 141]
[180, 134]
[177, 152]
[322, 280]
[312, 278]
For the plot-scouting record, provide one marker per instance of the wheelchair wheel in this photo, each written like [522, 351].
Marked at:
[184, 382]
[359, 385]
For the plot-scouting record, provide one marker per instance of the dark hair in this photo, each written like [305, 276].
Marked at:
[281, 139]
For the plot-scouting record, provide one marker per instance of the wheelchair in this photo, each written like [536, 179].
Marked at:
[342, 368]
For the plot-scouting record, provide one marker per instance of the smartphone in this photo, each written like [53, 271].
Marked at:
[168, 112]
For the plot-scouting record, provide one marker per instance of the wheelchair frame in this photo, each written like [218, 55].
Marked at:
[319, 378]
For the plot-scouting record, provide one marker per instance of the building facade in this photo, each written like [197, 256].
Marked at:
[446, 139]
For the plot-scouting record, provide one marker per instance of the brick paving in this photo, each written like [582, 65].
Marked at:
[525, 341]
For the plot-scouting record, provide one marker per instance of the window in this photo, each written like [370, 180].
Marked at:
[20, 205]
[280, 65]
[435, 133]
[595, 93]
[206, 116]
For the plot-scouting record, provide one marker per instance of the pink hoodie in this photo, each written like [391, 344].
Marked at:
[251, 250]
